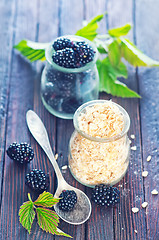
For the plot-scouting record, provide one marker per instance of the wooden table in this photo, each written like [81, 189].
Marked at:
[19, 91]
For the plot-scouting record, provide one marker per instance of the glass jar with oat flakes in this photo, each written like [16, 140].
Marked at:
[99, 147]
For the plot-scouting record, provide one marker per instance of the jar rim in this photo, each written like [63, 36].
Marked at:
[50, 50]
[99, 139]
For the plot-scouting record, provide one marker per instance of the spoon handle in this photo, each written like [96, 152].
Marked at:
[39, 132]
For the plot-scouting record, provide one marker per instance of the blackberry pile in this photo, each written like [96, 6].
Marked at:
[68, 200]
[22, 153]
[63, 91]
[71, 54]
[105, 195]
[59, 90]
[37, 180]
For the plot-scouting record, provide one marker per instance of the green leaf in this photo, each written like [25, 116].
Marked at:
[46, 199]
[102, 46]
[33, 51]
[121, 90]
[121, 31]
[134, 56]
[108, 80]
[114, 53]
[113, 71]
[89, 31]
[48, 220]
[27, 215]
[61, 233]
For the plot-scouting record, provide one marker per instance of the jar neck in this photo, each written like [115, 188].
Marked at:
[81, 109]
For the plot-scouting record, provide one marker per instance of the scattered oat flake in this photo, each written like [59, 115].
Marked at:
[56, 156]
[144, 173]
[135, 231]
[148, 158]
[64, 167]
[133, 148]
[135, 210]
[144, 204]
[132, 136]
[130, 141]
[154, 192]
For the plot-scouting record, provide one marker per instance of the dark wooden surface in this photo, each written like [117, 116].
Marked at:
[19, 91]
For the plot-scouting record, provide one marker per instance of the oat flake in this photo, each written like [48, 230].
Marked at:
[144, 204]
[154, 192]
[132, 136]
[135, 210]
[144, 173]
[56, 156]
[64, 167]
[133, 148]
[148, 158]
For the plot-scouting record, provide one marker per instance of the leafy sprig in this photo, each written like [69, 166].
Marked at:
[47, 219]
[112, 48]
[31, 50]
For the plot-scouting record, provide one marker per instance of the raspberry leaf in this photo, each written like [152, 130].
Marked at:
[48, 220]
[114, 53]
[46, 199]
[113, 71]
[33, 51]
[134, 56]
[90, 30]
[121, 31]
[102, 46]
[27, 215]
[108, 80]
[59, 232]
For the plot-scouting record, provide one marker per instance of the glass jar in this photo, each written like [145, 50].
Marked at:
[94, 156]
[63, 90]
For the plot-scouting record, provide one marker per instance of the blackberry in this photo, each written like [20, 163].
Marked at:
[105, 195]
[65, 58]
[22, 153]
[53, 75]
[68, 200]
[62, 43]
[85, 53]
[71, 104]
[55, 102]
[37, 180]
[58, 78]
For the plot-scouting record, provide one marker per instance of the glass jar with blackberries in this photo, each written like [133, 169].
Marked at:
[70, 77]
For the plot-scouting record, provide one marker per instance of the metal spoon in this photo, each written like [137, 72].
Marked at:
[82, 209]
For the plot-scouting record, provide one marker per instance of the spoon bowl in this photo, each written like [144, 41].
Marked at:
[82, 209]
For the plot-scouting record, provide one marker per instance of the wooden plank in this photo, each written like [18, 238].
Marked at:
[21, 98]
[127, 223]
[94, 8]
[71, 16]
[100, 225]
[5, 63]
[47, 30]
[148, 85]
